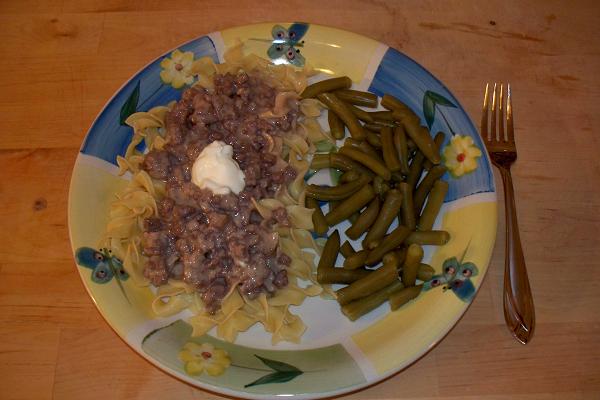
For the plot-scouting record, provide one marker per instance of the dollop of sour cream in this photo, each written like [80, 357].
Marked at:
[216, 170]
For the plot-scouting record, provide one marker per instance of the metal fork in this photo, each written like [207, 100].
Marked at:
[519, 311]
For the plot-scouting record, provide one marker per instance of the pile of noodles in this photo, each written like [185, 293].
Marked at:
[138, 201]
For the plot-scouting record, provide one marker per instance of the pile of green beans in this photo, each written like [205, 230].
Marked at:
[390, 170]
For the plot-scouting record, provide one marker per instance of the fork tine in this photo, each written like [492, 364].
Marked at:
[493, 122]
[501, 114]
[510, 129]
[484, 114]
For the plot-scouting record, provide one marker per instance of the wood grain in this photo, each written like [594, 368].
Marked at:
[64, 59]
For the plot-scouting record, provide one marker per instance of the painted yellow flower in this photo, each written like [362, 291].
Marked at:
[460, 155]
[204, 357]
[176, 70]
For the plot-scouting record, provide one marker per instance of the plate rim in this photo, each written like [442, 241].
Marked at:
[220, 390]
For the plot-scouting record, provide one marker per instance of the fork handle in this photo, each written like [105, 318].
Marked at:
[519, 312]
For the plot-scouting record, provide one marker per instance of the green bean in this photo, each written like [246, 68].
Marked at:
[414, 254]
[373, 128]
[401, 148]
[377, 280]
[340, 275]
[360, 307]
[397, 177]
[415, 170]
[389, 210]
[380, 186]
[336, 125]
[365, 147]
[387, 244]
[422, 138]
[368, 161]
[384, 123]
[425, 272]
[401, 254]
[327, 85]
[330, 252]
[352, 142]
[333, 204]
[392, 103]
[408, 208]
[341, 109]
[320, 225]
[347, 250]
[374, 245]
[410, 144]
[356, 260]
[320, 161]
[339, 192]
[344, 163]
[361, 114]
[435, 238]
[365, 220]
[400, 298]
[438, 140]
[433, 206]
[349, 176]
[357, 97]
[390, 155]
[382, 115]
[350, 205]
[352, 219]
[374, 139]
[435, 173]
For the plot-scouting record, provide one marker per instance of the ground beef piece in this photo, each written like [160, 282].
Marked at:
[204, 112]
[153, 224]
[284, 259]
[175, 120]
[193, 271]
[164, 206]
[225, 85]
[224, 107]
[215, 292]
[158, 164]
[228, 202]
[281, 217]
[217, 220]
[155, 271]
[211, 241]
[281, 279]
[154, 243]
[289, 174]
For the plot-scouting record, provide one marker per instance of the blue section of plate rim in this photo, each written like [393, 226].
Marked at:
[396, 74]
[106, 138]
[404, 78]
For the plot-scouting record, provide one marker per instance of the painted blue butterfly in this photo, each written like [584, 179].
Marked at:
[455, 276]
[285, 42]
[102, 263]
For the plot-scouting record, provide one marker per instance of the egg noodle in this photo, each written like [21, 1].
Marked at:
[139, 201]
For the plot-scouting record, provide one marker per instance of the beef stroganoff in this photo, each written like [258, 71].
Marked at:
[214, 216]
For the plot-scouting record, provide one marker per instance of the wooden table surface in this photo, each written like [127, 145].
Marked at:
[64, 59]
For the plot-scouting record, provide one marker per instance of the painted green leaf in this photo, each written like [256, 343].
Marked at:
[428, 109]
[309, 174]
[114, 271]
[275, 377]
[439, 99]
[325, 146]
[130, 105]
[335, 175]
[278, 365]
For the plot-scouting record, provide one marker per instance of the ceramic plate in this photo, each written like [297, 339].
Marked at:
[335, 356]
